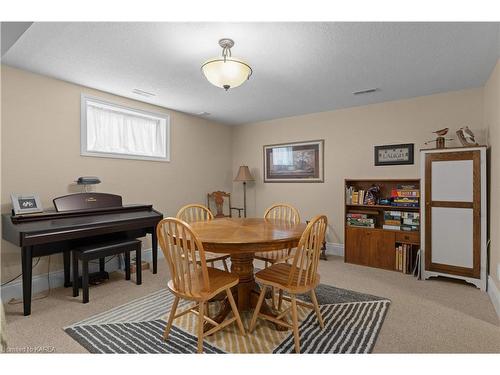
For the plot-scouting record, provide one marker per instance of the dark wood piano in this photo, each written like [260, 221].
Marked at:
[78, 219]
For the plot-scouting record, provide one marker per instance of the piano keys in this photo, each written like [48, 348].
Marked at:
[79, 219]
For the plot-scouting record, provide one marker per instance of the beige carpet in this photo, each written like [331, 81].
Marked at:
[425, 316]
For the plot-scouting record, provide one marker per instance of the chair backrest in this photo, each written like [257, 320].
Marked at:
[306, 259]
[218, 198]
[179, 245]
[283, 211]
[193, 213]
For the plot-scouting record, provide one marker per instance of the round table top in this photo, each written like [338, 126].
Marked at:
[234, 235]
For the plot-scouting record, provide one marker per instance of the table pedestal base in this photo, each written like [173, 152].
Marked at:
[246, 293]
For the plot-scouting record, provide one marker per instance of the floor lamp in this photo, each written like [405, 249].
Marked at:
[244, 175]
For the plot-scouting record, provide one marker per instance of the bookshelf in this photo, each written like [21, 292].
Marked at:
[367, 242]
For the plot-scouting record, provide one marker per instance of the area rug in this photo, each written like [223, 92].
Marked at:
[352, 323]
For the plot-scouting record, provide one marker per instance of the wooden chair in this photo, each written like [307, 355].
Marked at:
[297, 278]
[218, 198]
[285, 212]
[193, 280]
[197, 212]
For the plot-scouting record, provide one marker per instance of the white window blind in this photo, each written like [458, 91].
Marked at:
[110, 130]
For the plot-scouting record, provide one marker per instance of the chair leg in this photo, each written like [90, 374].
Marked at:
[85, 281]
[201, 320]
[257, 308]
[316, 308]
[127, 265]
[75, 275]
[225, 265]
[171, 318]
[295, 323]
[273, 296]
[280, 299]
[235, 311]
[138, 266]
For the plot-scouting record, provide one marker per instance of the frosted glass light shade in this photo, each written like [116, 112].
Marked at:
[226, 74]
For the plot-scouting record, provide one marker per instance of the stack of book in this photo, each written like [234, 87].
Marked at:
[405, 196]
[356, 197]
[405, 258]
[411, 221]
[392, 220]
[360, 220]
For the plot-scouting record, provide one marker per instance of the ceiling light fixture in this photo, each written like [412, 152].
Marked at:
[226, 72]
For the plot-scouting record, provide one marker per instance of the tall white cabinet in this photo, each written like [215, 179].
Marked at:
[454, 213]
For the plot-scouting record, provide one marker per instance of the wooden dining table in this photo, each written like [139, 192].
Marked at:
[241, 239]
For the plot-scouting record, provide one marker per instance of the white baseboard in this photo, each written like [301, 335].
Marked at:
[333, 248]
[40, 282]
[494, 294]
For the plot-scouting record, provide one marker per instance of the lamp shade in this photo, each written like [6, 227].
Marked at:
[244, 174]
[226, 72]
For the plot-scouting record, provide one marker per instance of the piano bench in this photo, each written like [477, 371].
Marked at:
[100, 251]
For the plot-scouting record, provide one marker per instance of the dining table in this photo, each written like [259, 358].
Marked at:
[241, 238]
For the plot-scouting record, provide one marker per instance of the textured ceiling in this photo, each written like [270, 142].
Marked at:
[298, 67]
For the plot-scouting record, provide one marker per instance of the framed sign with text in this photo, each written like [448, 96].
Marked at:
[394, 154]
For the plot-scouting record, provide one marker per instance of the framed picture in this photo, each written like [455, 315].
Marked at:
[394, 154]
[294, 162]
[26, 204]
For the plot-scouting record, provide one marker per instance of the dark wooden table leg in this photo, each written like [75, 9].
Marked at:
[154, 241]
[138, 266]
[67, 268]
[76, 280]
[102, 265]
[323, 251]
[127, 265]
[85, 281]
[27, 267]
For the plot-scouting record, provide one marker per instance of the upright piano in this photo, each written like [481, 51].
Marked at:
[78, 219]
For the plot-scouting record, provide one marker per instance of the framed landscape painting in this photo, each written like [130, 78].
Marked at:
[294, 162]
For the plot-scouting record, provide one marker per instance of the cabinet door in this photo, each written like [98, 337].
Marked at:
[382, 249]
[452, 213]
[357, 246]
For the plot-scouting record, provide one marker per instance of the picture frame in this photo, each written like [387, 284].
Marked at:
[26, 203]
[294, 162]
[400, 154]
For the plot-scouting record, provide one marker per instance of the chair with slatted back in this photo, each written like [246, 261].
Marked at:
[197, 212]
[285, 212]
[193, 280]
[297, 278]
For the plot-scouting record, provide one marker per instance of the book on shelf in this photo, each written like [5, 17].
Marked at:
[405, 195]
[391, 227]
[406, 258]
[360, 220]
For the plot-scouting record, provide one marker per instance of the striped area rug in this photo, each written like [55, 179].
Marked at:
[352, 323]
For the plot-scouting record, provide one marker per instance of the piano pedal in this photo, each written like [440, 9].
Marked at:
[95, 278]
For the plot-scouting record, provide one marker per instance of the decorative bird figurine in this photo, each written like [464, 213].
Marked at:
[441, 132]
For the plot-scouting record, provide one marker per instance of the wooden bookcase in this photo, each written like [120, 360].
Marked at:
[376, 247]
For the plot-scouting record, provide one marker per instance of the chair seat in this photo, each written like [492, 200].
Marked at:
[277, 276]
[219, 280]
[275, 256]
[212, 256]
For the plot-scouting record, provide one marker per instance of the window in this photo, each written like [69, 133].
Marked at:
[114, 131]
